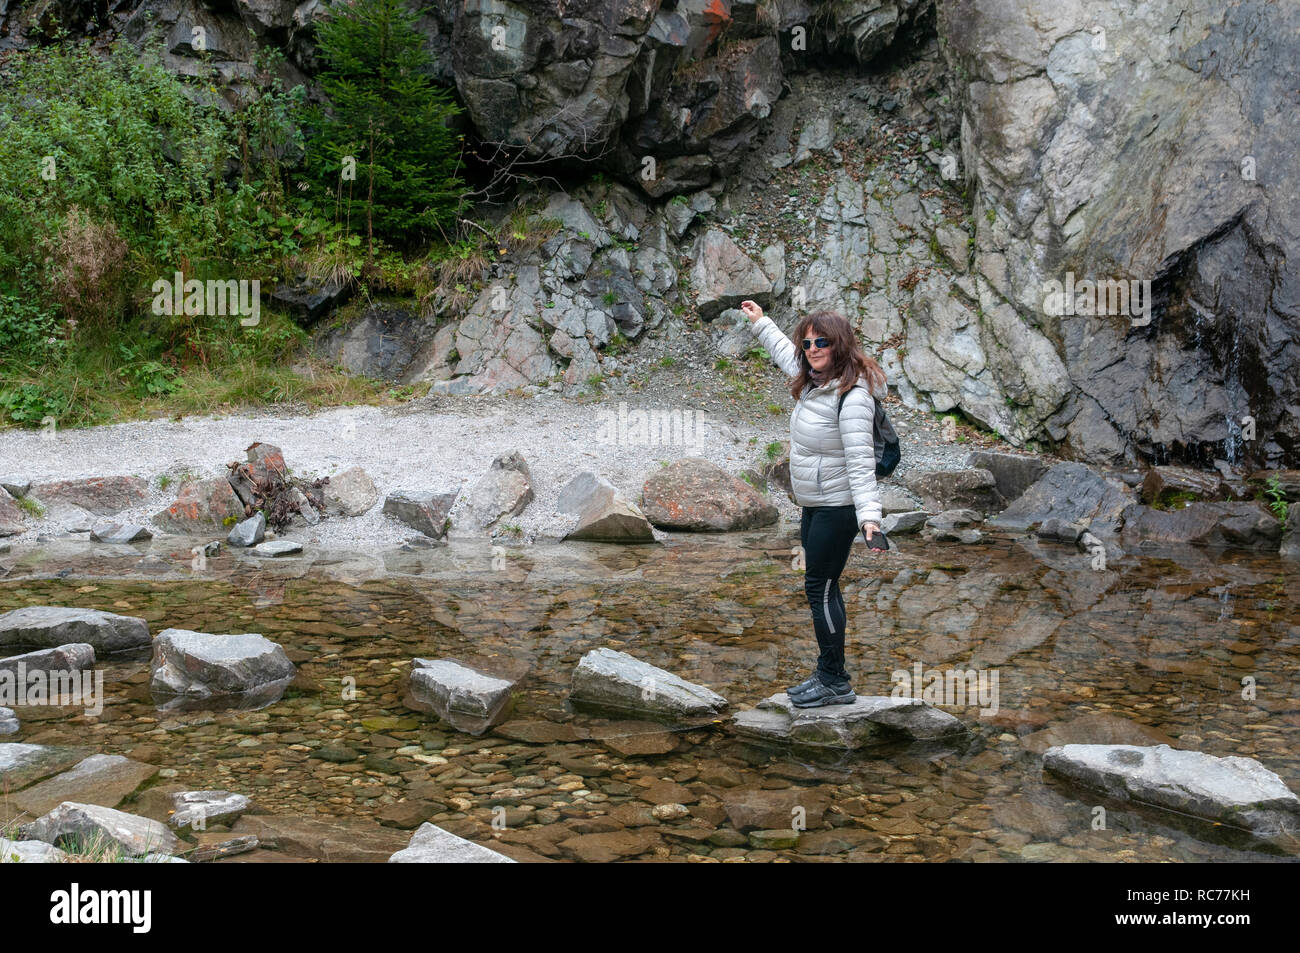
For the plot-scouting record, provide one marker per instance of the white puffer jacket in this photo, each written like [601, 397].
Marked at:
[830, 464]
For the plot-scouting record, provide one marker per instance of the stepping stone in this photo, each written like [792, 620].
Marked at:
[103, 779]
[110, 532]
[73, 657]
[606, 680]
[51, 626]
[277, 547]
[467, 699]
[200, 669]
[1236, 792]
[433, 845]
[71, 824]
[868, 720]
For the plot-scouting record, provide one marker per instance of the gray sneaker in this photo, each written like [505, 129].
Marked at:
[821, 694]
[803, 686]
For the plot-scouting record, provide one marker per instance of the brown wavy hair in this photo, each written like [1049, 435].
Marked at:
[848, 361]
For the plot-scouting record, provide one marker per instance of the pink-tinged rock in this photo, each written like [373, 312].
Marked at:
[202, 506]
[102, 496]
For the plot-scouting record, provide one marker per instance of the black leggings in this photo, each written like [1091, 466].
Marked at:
[826, 533]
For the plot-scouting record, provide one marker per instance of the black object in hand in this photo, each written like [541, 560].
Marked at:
[878, 541]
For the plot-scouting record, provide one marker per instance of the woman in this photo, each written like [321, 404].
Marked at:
[832, 473]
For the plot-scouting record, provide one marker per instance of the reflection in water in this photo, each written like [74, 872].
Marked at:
[1158, 650]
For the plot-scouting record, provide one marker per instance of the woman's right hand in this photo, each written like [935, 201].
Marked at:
[752, 310]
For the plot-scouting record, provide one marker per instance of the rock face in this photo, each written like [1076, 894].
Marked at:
[424, 511]
[694, 494]
[52, 626]
[199, 669]
[103, 779]
[869, 720]
[72, 657]
[433, 845]
[1236, 792]
[381, 342]
[1240, 525]
[102, 496]
[350, 493]
[1058, 136]
[202, 506]
[503, 491]
[1073, 493]
[79, 824]
[606, 680]
[601, 513]
[467, 699]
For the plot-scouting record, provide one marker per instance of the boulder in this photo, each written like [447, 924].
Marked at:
[607, 680]
[102, 496]
[1071, 492]
[202, 507]
[203, 808]
[722, 275]
[1013, 473]
[103, 779]
[200, 669]
[601, 513]
[974, 489]
[30, 852]
[897, 523]
[1238, 525]
[421, 510]
[694, 494]
[110, 532]
[467, 699]
[350, 493]
[953, 526]
[248, 532]
[1165, 485]
[71, 657]
[869, 720]
[266, 466]
[432, 845]
[53, 626]
[503, 491]
[11, 516]
[1235, 792]
[72, 825]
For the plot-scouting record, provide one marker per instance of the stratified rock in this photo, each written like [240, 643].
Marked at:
[102, 496]
[694, 494]
[30, 852]
[199, 669]
[601, 513]
[1013, 473]
[421, 510]
[469, 700]
[103, 779]
[503, 491]
[277, 547]
[71, 825]
[52, 626]
[110, 532]
[22, 764]
[1164, 485]
[202, 507]
[350, 493]
[248, 532]
[606, 680]
[1240, 525]
[73, 657]
[1071, 492]
[722, 275]
[973, 489]
[432, 845]
[1236, 792]
[868, 720]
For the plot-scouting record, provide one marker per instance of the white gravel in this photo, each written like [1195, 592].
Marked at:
[416, 448]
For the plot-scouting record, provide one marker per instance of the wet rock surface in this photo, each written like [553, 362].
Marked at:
[53, 626]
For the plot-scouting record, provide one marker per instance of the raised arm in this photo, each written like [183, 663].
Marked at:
[769, 335]
[856, 421]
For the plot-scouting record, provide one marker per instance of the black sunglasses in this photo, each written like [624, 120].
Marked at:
[820, 342]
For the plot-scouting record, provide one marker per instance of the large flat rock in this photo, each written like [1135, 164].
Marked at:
[606, 680]
[1071, 493]
[200, 668]
[103, 779]
[433, 845]
[22, 764]
[73, 657]
[71, 825]
[468, 699]
[871, 719]
[334, 840]
[41, 627]
[1237, 792]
